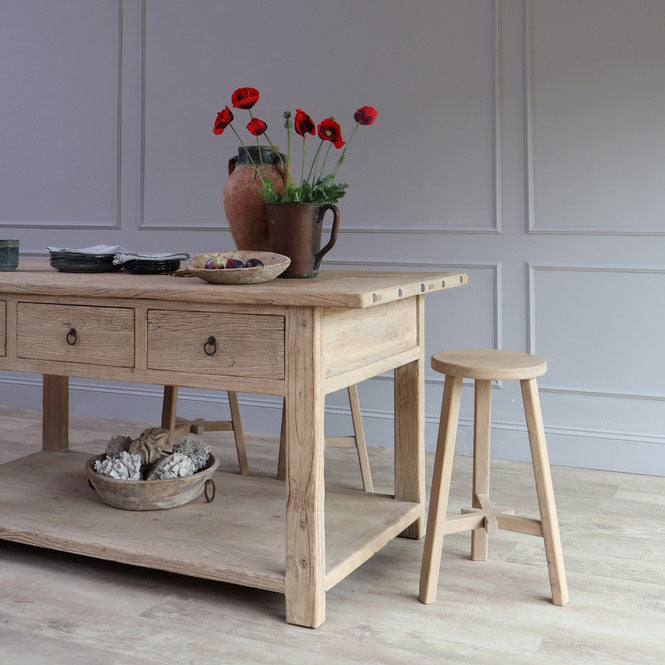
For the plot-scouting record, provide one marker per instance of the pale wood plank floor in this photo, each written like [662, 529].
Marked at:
[57, 609]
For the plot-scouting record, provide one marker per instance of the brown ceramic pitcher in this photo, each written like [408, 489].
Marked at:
[295, 231]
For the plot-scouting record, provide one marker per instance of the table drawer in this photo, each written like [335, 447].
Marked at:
[248, 345]
[76, 334]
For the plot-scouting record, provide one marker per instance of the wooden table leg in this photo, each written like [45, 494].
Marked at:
[410, 433]
[55, 416]
[305, 580]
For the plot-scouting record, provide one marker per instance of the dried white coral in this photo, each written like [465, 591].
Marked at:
[196, 448]
[118, 445]
[177, 465]
[123, 467]
[151, 445]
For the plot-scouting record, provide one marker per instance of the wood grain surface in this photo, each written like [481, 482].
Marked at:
[353, 339]
[305, 537]
[55, 410]
[489, 364]
[246, 345]
[60, 609]
[237, 538]
[332, 288]
[103, 335]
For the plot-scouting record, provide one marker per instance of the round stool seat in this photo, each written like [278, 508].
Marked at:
[487, 364]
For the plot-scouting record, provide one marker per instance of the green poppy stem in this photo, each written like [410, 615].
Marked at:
[274, 147]
[315, 161]
[341, 157]
[242, 143]
[302, 167]
[325, 157]
[287, 171]
[258, 145]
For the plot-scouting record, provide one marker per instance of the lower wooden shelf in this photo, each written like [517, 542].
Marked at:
[45, 501]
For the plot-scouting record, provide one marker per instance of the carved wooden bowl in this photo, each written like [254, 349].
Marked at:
[152, 494]
[273, 265]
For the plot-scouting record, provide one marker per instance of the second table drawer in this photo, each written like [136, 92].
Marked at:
[247, 345]
[76, 334]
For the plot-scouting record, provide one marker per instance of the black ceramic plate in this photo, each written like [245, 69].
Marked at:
[73, 262]
[151, 267]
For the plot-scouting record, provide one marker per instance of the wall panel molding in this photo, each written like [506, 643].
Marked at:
[496, 155]
[265, 402]
[115, 222]
[141, 212]
[529, 176]
[531, 269]
[33, 254]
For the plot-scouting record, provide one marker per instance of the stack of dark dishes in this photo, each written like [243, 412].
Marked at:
[69, 261]
[111, 258]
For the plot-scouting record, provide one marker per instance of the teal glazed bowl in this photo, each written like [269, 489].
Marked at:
[8, 255]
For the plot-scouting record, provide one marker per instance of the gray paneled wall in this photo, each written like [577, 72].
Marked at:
[522, 141]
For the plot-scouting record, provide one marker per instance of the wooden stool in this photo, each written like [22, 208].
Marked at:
[356, 441]
[481, 518]
[179, 426]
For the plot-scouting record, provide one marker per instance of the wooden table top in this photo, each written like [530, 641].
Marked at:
[332, 288]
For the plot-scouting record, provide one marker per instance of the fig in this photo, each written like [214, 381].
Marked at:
[215, 263]
[253, 263]
[234, 263]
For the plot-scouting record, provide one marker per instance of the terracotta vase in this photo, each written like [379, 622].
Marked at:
[243, 201]
[295, 231]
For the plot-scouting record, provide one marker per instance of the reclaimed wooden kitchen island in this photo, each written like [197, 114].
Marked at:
[300, 339]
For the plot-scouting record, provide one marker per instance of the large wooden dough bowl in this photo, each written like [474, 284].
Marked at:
[149, 494]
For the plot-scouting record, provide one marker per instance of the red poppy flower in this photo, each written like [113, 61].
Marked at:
[303, 124]
[245, 98]
[224, 118]
[256, 126]
[365, 115]
[329, 130]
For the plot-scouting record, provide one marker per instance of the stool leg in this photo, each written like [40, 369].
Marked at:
[281, 462]
[481, 464]
[545, 491]
[361, 444]
[169, 403]
[238, 435]
[443, 466]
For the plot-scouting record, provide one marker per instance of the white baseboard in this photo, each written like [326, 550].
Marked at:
[568, 446]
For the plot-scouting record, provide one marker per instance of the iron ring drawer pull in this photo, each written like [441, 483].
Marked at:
[209, 490]
[72, 337]
[210, 346]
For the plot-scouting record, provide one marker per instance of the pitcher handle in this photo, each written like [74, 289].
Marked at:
[232, 164]
[333, 232]
[283, 167]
